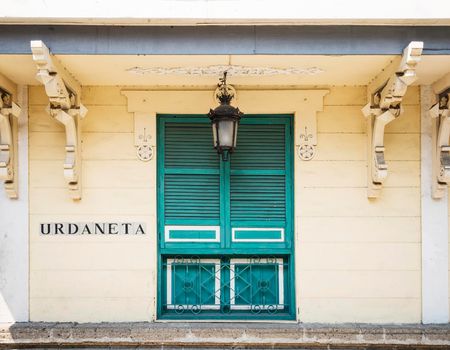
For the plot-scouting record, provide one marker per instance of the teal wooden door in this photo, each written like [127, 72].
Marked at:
[225, 229]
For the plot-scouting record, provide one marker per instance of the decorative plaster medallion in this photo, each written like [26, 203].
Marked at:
[216, 70]
[306, 151]
[144, 152]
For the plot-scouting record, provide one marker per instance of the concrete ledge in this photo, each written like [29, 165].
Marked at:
[224, 335]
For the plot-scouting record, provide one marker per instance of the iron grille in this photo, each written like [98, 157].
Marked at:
[256, 286]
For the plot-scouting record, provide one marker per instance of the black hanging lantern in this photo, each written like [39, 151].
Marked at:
[225, 120]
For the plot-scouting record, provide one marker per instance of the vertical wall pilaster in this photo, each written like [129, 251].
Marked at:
[14, 251]
[435, 308]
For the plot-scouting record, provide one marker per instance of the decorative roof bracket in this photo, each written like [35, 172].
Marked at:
[64, 94]
[440, 115]
[9, 112]
[385, 95]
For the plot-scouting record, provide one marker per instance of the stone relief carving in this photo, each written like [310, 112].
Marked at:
[215, 70]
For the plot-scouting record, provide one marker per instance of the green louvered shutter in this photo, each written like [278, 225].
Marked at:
[191, 184]
[258, 184]
[225, 227]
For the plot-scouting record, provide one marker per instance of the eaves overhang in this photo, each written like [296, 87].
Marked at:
[218, 40]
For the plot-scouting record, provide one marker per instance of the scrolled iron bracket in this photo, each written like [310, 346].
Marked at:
[9, 112]
[64, 93]
[440, 115]
[386, 94]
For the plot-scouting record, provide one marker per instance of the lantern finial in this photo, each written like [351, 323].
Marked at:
[225, 93]
[225, 120]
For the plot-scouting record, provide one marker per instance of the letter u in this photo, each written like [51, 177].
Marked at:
[45, 232]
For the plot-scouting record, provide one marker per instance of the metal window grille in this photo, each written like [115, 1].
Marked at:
[256, 286]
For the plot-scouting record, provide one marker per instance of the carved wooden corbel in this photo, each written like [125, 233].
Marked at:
[386, 93]
[440, 115]
[64, 94]
[9, 112]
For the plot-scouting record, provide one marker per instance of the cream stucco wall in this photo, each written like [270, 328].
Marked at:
[90, 278]
[448, 199]
[357, 260]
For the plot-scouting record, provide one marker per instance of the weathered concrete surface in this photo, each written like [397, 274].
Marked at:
[224, 336]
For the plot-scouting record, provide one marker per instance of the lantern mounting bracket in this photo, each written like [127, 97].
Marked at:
[385, 95]
[440, 115]
[9, 112]
[64, 106]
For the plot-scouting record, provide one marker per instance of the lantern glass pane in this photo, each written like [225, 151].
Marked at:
[236, 124]
[226, 133]
[214, 131]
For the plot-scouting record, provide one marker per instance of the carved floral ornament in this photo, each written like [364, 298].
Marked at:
[217, 70]
[308, 141]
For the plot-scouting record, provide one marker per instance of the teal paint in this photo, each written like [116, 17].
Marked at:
[268, 280]
[252, 190]
[191, 234]
[239, 249]
[225, 193]
[258, 234]
[193, 285]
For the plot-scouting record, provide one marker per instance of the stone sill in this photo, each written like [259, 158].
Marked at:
[224, 335]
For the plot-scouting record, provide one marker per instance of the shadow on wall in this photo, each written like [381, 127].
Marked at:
[13, 263]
